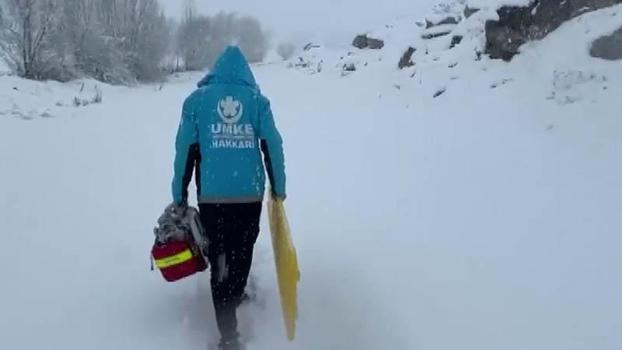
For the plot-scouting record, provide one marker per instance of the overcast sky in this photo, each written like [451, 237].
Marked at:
[330, 21]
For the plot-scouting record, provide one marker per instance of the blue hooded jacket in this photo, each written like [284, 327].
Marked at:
[225, 126]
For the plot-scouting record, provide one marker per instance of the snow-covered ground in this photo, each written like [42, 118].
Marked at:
[485, 218]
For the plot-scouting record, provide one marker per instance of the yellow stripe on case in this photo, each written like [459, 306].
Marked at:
[180, 258]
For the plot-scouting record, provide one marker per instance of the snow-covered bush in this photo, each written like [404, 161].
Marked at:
[28, 30]
[200, 39]
[286, 50]
[95, 99]
[193, 47]
[116, 41]
[251, 38]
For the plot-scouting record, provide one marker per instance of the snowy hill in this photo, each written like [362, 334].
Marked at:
[461, 203]
[437, 62]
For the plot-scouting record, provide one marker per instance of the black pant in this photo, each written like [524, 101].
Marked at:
[232, 230]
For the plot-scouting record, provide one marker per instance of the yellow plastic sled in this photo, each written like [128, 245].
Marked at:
[286, 265]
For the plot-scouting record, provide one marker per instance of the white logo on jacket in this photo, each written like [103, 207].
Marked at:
[230, 110]
[230, 134]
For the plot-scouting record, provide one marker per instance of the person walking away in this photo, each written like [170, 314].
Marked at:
[226, 125]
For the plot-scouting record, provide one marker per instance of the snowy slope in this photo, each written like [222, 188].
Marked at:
[29, 100]
[484, 218]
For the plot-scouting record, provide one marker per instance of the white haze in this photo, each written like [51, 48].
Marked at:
[330, 21]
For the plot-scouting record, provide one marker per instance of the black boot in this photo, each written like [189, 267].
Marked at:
[227, 325]
[230, 344]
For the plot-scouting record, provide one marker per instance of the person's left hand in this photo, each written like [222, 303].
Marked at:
[177, 209]
[279, 198]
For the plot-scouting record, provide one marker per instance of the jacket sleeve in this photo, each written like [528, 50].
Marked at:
[187, 140]
[272, 148]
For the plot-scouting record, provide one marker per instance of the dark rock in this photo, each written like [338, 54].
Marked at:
[406, 60]
[432, 35]
[439, 92]
[375, 44]
[502, 41]
[470, 11]
[360, 42]
[349, 67]
[456, 40]
[363, 42]
[517, 25]
[608, 47]
[447, 20]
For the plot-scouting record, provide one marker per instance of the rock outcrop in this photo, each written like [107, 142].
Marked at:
[364, 42]
[447, 20]
[437, 31]
[518, 25]
[470, 11]
[608, 47]
[455, 41]
[406, 60]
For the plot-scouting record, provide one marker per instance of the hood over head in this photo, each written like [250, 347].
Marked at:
[230, 68]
